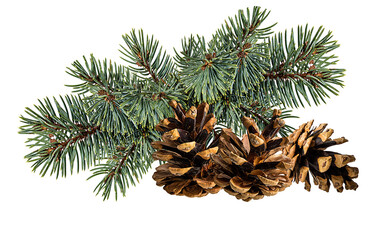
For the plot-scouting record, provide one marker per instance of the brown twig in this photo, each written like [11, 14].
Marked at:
[280, 74]
[144, 63]
[87, 132]
[254, 114]
[126, 156]
[286, 76]
[251, 29]
[56, 126]
[123, 160]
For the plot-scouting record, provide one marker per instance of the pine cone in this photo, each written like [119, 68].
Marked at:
[307, 148]
[188, 169]
[251, 168]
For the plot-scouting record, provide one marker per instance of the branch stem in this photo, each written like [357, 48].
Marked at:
[254, 114]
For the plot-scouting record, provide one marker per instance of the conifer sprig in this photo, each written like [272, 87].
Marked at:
[205, 74]
[102, 85]
[245, 27]
[126, 165]
[144, 56]
[64, 136]
[145, 101]
[118, 172]
[301, 68]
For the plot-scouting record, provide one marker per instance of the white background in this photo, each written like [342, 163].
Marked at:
[39, 39]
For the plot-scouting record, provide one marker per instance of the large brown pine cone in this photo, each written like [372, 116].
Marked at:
[252, 168]
[188, 167]
[307, 148]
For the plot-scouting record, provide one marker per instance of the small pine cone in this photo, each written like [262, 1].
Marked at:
[251, 168]
[307, 148]
[188, 167]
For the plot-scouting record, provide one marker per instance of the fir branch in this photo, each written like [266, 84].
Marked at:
[81, 135]
[227, 113]
[242, 29]
[146, 102]
[104, 84]
[108, 112]
[96, 75]
[205, 75]
[64, 134]
[242, 37]
[250, 68]
[125, 166]
[145, 57]
[300, 70]
[116, 173]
